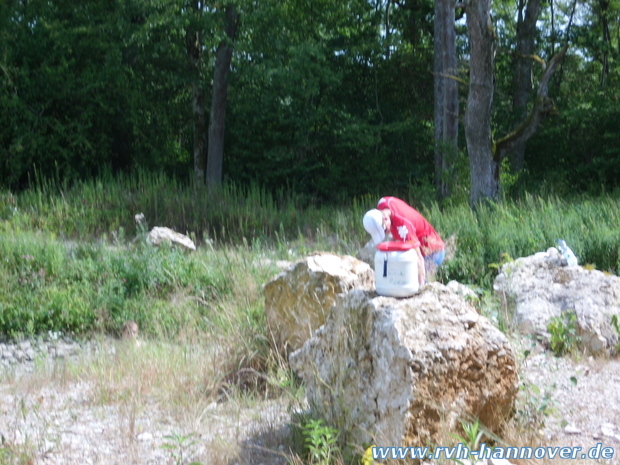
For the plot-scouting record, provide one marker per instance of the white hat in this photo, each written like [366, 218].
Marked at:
[373, 224]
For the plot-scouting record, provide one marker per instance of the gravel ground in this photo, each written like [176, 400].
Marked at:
[584, 399]
[61, 423]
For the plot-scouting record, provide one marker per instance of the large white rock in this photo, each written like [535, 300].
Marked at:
[541, 287]
[404, 371]
[298, 300]
[159, 235]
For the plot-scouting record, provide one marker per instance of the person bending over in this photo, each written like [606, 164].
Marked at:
[406, 224]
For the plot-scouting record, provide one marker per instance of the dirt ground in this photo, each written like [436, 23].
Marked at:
[50, 420]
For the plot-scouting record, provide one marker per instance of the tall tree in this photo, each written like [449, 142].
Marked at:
[485, 155]
[484, 167]
[219, 98]
[195, 46]
[527, 15]
[446, 98]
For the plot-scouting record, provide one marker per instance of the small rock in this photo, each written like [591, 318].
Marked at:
[30, 354]
[146, 436]
[158, 235]
[570, 429]
[19, 437]
[607, 432]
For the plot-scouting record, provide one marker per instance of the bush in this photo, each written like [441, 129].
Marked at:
[97, 286]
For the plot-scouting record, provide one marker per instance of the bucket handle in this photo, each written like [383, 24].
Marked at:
[385, 257]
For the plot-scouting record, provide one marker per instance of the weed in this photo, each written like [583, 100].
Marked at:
[533, 407]
[320, 441]
[178, 445]
[473, 435]
[503, 259]
[496, 308]
[616, 326]
[563, 333]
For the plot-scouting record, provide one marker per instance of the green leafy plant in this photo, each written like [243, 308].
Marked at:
[473, 434]
[178, 445]
[533, 406]
[320, 441]
[614, 323]
[564, 337]
[503, 259]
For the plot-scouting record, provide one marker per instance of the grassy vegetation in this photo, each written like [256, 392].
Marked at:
[73, 260]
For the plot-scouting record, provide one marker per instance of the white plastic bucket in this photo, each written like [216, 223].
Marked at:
[396, 269]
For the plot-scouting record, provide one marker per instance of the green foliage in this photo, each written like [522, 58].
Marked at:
[522, 228]
[76, 96]
[473, 435]
[564, 337]
[320, 441]
[332, 99]
[616, 326]
[88, 266]
[533, 406]
[484, 238]
[312, 92]
[226, 215]
[584, 142]
[85, 287]
[178, 446]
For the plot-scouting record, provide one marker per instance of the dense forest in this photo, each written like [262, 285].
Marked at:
[330, 99]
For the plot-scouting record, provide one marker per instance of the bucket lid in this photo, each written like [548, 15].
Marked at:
[394, 246]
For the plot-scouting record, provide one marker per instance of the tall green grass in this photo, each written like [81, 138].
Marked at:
[227, 214]
[497, 232]
[73, 259]
[52, 285]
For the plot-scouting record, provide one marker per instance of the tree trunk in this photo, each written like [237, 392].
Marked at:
[194, 53]
[526, 33]
[445, 96]
[603, 13]
[484, 169]
[219, 99]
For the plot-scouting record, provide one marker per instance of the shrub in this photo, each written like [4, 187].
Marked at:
[563, 333]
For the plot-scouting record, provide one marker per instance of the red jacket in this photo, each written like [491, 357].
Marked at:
[408, 225]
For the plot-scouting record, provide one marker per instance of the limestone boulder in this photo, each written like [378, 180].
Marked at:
[392, 371]
[541, 287]
[464, 291]
[158, 235]
[298, 300]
